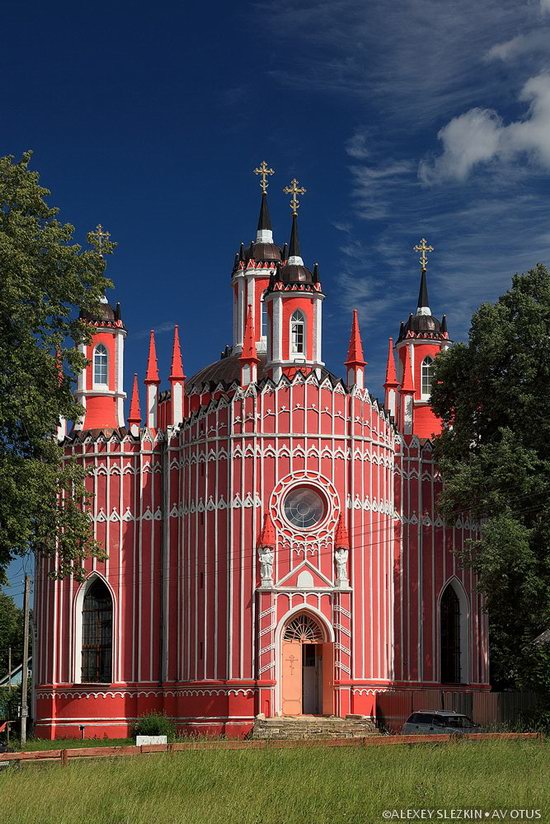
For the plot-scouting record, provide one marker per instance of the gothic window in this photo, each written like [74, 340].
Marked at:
[264, 319]
[100, 365]
[450, 637]
[427, 370]
[304, 507]
[97, 631]
[297, 333]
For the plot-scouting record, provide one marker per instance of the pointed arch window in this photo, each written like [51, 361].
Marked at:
[298, 333]
[451, 652]
[97, 634]
[101, 363]
[263, 306]
[427, 369]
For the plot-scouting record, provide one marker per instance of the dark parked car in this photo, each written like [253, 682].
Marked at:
[438, 722]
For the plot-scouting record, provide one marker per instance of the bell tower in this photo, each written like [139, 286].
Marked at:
[253, 267]
[294, 308]
[100, 388]
[420, 340]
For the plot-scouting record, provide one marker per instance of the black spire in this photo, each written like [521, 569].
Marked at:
[294, 250]
[264, 221]
[315, 273]
[443, 324]
[423, 300]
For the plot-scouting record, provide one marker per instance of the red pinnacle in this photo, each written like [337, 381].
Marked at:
[341, 539]
[355, 348]
[135, 411]
[407, 386]
[249, 344]
[152, 375]
[267, 535]
[391, 377]
[176, 372]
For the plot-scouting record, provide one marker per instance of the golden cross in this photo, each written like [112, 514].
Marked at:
[293, 189]
[423, 248]
[98, 238]
[263, 170]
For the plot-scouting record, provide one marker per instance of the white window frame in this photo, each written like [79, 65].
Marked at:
[427, 363]
[100, 346]
[264, 318]
[302, 322]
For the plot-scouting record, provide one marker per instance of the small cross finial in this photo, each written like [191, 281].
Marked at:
[98, 238]
[424, 249]
[293, 189]
[264, 171]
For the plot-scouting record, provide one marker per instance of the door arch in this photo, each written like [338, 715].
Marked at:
[306, 666]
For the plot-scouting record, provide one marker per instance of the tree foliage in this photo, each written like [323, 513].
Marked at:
[493, 394]
[45, 279]
[11, 633]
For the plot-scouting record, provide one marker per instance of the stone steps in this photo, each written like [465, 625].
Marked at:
[311, 727]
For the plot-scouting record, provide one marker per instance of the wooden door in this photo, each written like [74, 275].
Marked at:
[328, 679]
[292, 678]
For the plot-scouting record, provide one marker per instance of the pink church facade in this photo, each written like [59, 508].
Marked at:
[272, 536]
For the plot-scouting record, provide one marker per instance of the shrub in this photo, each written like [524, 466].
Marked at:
[155, 723]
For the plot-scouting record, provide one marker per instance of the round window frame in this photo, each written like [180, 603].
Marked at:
[324, 500]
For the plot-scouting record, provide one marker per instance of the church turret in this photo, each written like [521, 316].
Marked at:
[294, 307]
[152, 382]
[390, 383]
[177, 381]
[254, 267]
[100, 388]
[420, 340]
[355, 362]
[134, 417]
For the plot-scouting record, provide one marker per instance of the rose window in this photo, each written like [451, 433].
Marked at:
[304, 507]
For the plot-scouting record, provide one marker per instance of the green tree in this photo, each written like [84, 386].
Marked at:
[11, 632]
[45, 279]
[493, 394]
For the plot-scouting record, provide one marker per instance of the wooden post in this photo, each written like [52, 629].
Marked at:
[25, 668]
[9, 667]
[64, 758]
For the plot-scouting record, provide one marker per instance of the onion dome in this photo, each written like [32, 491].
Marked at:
[104, 314]
[423, 324]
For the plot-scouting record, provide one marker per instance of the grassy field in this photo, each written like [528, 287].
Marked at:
[298, 786]
[35, 744]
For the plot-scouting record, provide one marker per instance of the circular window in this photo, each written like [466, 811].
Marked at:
[304, 507]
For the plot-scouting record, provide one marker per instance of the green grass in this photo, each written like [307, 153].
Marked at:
[295, 786]
[34, 744]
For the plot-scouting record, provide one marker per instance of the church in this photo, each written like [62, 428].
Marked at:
[272, 541]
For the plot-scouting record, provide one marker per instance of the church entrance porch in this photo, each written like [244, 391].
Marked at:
[306, 669]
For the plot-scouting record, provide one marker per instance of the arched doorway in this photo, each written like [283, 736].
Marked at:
[307, 668]
[451, 653]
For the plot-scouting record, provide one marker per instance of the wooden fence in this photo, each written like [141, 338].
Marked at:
[484, 708]
[63, 756]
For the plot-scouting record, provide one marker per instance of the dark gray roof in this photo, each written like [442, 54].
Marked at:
[228, 370]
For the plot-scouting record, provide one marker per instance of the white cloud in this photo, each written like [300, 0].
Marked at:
[545, 5]
[479, 136]
[537, 40]
[413, 59]
[356, 146]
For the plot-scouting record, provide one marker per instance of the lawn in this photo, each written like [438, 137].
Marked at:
[295, 786]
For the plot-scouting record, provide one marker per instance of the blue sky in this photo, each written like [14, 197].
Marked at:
[403, 119]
